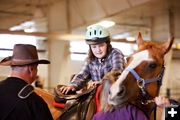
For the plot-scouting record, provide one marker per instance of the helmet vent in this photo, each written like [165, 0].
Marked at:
[100, 32]
[90, 33]
[95, 32]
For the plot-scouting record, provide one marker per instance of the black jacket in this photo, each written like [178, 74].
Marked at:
[14, 108]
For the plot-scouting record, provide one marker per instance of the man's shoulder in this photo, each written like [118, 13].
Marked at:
[3, 81]
[26, 91]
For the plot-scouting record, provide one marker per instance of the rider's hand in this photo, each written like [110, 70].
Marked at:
[92, 84]
[66, 89]
[161, 101]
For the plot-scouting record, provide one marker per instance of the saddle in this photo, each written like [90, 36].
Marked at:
[78, 106]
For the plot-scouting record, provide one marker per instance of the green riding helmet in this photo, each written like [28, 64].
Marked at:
[96, 34]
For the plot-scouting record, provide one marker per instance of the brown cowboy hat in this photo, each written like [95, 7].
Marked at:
[23, 54]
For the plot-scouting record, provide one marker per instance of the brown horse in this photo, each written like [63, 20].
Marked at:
[140, 81]
[49, 99]
[138, 84]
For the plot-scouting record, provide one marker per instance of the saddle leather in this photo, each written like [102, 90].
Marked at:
[76, 105]
[62, 98]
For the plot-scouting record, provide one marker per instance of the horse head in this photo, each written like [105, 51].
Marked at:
[142, 76]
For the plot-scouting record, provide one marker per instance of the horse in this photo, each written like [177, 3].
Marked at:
[140, 81]
[138, 84]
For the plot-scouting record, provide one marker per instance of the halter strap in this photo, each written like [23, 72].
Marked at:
[142, 82]
[134, 73]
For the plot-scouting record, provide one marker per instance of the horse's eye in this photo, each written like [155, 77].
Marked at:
[152, 65]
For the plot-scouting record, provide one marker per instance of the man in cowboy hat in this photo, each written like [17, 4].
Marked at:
[17, 99]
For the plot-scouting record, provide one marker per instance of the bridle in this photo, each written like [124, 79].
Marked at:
[141, 82]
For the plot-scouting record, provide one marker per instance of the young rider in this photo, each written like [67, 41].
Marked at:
[102, 58]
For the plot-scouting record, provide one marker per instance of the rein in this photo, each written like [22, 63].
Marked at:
[141, 82]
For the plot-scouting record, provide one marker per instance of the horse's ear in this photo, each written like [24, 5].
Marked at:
[139, 40]
[167, 45]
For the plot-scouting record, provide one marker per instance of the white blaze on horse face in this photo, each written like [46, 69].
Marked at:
[137, 59]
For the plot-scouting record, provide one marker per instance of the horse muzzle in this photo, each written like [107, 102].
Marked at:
[117, 96]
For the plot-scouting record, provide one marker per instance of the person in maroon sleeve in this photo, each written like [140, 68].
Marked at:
[18, 100]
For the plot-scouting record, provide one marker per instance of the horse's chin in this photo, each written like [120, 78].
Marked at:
[118, 101]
